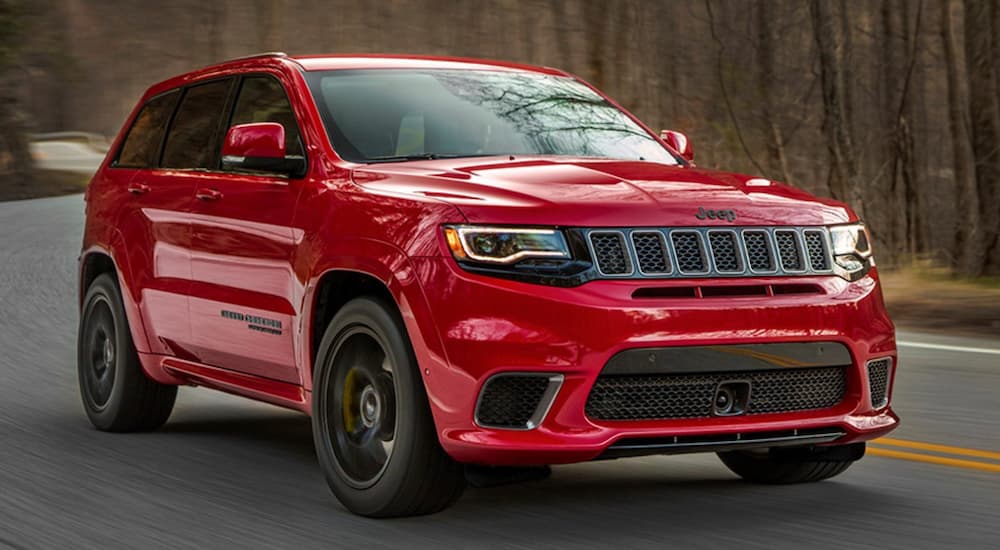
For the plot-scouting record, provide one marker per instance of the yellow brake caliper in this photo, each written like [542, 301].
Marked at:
[350, 416]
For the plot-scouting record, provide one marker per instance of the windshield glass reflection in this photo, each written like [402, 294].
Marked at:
[391, 115]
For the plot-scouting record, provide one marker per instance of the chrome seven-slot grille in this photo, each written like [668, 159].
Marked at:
[710, 252]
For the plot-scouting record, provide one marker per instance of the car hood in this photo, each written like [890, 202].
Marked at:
[564, 191]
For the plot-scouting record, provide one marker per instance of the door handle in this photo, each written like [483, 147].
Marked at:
[138, 188]
[208, 194]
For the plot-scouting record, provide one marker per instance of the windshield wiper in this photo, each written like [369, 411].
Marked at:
[419, 156]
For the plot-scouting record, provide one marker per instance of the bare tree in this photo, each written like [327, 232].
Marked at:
[969, 227]
[840, 98]
[768, 83]
[832, 42]
[984, 110]
[16, 166]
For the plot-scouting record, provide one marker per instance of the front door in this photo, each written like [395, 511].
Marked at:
[242, 283]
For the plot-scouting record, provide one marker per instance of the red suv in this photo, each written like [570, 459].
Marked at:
[450, 261]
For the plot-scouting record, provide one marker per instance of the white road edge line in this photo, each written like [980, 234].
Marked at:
[990, 351]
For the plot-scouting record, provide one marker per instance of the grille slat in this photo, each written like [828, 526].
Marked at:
[651, 252]
[816, 249]
[788, 250]
[687, 248]
[709, 251]
[725, 251]
[758, 250]
[653, 397]
[878, 382]
[612, 257]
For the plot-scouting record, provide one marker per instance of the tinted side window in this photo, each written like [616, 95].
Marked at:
[142, 144]
[193, 135]
[262, 99]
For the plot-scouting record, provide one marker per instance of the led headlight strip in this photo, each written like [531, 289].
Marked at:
[505, 245]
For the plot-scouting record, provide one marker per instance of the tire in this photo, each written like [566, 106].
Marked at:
[117, 395]
[780, 466]
[372, 426]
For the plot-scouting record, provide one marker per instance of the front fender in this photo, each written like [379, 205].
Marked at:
[389, 265]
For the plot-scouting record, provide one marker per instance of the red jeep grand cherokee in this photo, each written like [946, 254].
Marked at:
[452, 261]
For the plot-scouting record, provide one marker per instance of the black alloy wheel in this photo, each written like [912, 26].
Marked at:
[117, 395]
[372, 426]
[787, 465]
[98, 369]
[362, 413]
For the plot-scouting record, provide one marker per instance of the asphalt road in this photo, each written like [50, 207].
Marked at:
[225, 472]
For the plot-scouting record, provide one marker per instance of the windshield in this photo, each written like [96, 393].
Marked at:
[386, 115]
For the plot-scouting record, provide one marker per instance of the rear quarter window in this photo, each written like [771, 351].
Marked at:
[141, 148]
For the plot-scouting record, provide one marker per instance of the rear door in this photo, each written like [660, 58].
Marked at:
[152, 225]
[242, 312]
[189, 149]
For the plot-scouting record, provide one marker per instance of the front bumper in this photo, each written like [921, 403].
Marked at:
[488, 326]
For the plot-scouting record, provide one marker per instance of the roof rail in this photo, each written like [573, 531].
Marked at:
[256, 55]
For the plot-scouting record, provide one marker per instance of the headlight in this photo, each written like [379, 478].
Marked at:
[505, 245]
[852, 250]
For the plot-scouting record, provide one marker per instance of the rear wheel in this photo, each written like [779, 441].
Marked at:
[781, 465]
[372, 426]
[117, 395]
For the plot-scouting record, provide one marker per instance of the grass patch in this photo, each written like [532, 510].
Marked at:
[930, 298]
[48, 183]
[935, 274]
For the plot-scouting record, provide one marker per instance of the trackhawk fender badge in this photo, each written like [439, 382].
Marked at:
[704, 214]
[254, 322]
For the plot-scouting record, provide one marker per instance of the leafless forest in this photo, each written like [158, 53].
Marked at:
[892, 105]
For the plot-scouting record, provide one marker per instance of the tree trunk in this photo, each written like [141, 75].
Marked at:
[270, 16]
[913, 111]
[969, 227]
[899, 47]
[831, 36]
[767, 75]
[984, 109]
[16, 165]
[595, 24]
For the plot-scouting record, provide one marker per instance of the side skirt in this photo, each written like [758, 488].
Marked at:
[283, 394]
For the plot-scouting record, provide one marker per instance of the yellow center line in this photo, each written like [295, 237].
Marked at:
[931, 459]
[935, 448]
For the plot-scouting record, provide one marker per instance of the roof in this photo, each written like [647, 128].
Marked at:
[347, 61]
[394, 61]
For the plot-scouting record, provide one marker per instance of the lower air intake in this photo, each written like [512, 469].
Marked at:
[878, 381]
[666, 396]
[516, 401]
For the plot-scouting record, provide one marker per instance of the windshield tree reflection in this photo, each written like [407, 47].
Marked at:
[391, 114]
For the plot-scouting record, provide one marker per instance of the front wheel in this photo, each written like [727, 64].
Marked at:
[778, 465]
[372, 425]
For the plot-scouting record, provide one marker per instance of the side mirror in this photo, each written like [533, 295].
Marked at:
[260, 147]
[679, 142]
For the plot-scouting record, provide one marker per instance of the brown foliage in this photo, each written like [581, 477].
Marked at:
[887, 104]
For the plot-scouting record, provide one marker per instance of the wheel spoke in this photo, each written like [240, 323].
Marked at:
[100, 340]
[361, 407]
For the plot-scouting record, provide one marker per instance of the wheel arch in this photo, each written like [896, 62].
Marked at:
[380, 270]
[334, 289]
[97, 260]
[92, 265]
